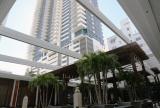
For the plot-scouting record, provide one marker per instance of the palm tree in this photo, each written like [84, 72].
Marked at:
[133, 80]
[83, 68]
[103, 66]
[92, 65]
[43, 82]
[107, 62]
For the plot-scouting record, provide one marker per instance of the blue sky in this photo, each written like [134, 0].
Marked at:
[113, 11]
[20, 18]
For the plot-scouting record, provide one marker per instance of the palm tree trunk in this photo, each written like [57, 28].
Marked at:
[51, 96]
[129, 89]
[103, 87]
[95, 81]
[106, 86]
[46, 101]
[89, 90]
[130, 93]
[90, 97]
[43, 97]
[58, 96]
[41, 102]
[115, 85]
[99, 88]
[55, 97]
[135, 93]
[36, 101]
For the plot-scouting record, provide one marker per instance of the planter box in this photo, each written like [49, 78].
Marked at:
[60, 106]
[147, 105]
[124, 103]
[124, 107]
[137, 104]
[102, 106]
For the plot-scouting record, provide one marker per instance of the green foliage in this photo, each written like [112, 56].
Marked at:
[132, 78]
[92, 64]
[45, 81]
[135, 81]
[95, 63]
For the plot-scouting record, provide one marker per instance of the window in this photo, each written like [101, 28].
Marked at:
[113, 40]
[82, 31]
[76, 46]
[77, 51]
[114, 47]
[137, 39]
[141, 45]
[129, 35]
[64, 61]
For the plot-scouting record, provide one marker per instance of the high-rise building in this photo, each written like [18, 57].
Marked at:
[67, 24]
[131, 32]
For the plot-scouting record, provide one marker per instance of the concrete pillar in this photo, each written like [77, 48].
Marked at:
[77, 98]
[25, 102]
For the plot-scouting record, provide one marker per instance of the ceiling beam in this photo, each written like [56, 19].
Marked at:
[103, 19]
[37, 42]
[7, 75]
[141, 14]
[5, 6]
[27, 62]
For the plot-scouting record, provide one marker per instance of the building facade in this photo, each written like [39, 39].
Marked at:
[131, 32]
[67, 24]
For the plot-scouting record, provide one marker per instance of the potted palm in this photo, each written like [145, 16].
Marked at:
[44, 82]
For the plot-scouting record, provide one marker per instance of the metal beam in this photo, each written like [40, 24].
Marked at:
[5, 6]
[37, 42]
[27, 62]
[4, 74]
[103, 19]
[140, 12]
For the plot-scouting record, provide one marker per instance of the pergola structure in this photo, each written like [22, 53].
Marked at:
[7, 4]
[128, 55]
[156, 72]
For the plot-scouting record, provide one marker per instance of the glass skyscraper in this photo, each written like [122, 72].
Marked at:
[67, 24]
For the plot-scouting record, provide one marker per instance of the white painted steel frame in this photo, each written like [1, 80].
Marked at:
[36, 42]
[4, 74]
[43, 44]
[27, 62]
[5, 6]
[103, 19]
